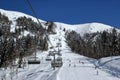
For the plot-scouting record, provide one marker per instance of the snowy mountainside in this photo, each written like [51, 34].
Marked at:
[12, 15]
[87, 27]
[79, 28]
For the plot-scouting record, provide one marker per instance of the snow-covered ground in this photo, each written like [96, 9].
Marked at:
[78, 67]
[110, 65]
[75, 67]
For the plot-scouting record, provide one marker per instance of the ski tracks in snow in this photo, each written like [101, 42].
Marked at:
[44, 73]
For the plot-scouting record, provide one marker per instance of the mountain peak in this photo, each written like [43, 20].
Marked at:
[80, 28]
[12, 15]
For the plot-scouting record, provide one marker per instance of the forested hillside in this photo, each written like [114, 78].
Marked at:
[23, 41]
[95, 45]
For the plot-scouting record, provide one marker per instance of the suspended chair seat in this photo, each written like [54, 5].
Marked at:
[48, 58]
[57, 63]
[33, 60]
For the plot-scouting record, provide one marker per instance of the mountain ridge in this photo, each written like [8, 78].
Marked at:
[79, 28]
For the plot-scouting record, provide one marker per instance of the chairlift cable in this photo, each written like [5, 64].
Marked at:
[34, 13]
[30, 5]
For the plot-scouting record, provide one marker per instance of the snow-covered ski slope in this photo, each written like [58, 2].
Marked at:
[75, 67]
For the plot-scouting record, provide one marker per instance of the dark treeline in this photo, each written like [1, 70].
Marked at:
[95, 45]
[14, 44]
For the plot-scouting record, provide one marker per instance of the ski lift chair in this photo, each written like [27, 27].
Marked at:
[57, 63]
[14, 65]
[59, 54]
[33, 60]
[51, 53]
[48, 58]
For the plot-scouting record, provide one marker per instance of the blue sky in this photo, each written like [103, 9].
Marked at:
[70, 11]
